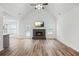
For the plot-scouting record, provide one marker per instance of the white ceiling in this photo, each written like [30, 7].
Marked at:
[62, 7]
[16, 9]
[21, 9]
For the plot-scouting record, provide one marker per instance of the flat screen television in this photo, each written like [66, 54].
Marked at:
[39, 24]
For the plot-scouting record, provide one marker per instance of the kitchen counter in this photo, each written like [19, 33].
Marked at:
[5, 33]
[5, 40]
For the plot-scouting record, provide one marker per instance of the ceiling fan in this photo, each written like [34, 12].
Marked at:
[34, 4]
[39, 5]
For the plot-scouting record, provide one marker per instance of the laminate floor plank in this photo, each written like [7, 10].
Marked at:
[30, 47]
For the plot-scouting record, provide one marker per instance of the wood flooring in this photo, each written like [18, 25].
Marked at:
[30, 47]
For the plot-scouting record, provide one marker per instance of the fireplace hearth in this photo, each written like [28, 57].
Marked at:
[39, 34]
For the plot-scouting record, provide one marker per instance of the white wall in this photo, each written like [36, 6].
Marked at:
[68, 28]
[11, 25]
[27, 24]
[1, 31]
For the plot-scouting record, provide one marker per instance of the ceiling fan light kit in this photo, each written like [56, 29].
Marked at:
[39, 6]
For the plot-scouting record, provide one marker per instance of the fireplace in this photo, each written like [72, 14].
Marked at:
[39, 34]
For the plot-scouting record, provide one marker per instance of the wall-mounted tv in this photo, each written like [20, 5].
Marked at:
[39, 24]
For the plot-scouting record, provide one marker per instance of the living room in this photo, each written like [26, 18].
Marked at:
[39, 29]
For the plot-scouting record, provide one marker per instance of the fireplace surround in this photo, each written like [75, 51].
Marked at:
[39, 34]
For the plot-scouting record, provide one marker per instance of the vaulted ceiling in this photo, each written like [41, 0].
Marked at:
[21, 9]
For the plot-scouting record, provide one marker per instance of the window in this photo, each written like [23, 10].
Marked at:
[10, 26]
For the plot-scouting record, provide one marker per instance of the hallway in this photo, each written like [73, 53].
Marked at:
[29, 47]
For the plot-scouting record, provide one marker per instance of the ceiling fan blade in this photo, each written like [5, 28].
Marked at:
[45, 3]
[33, 4]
